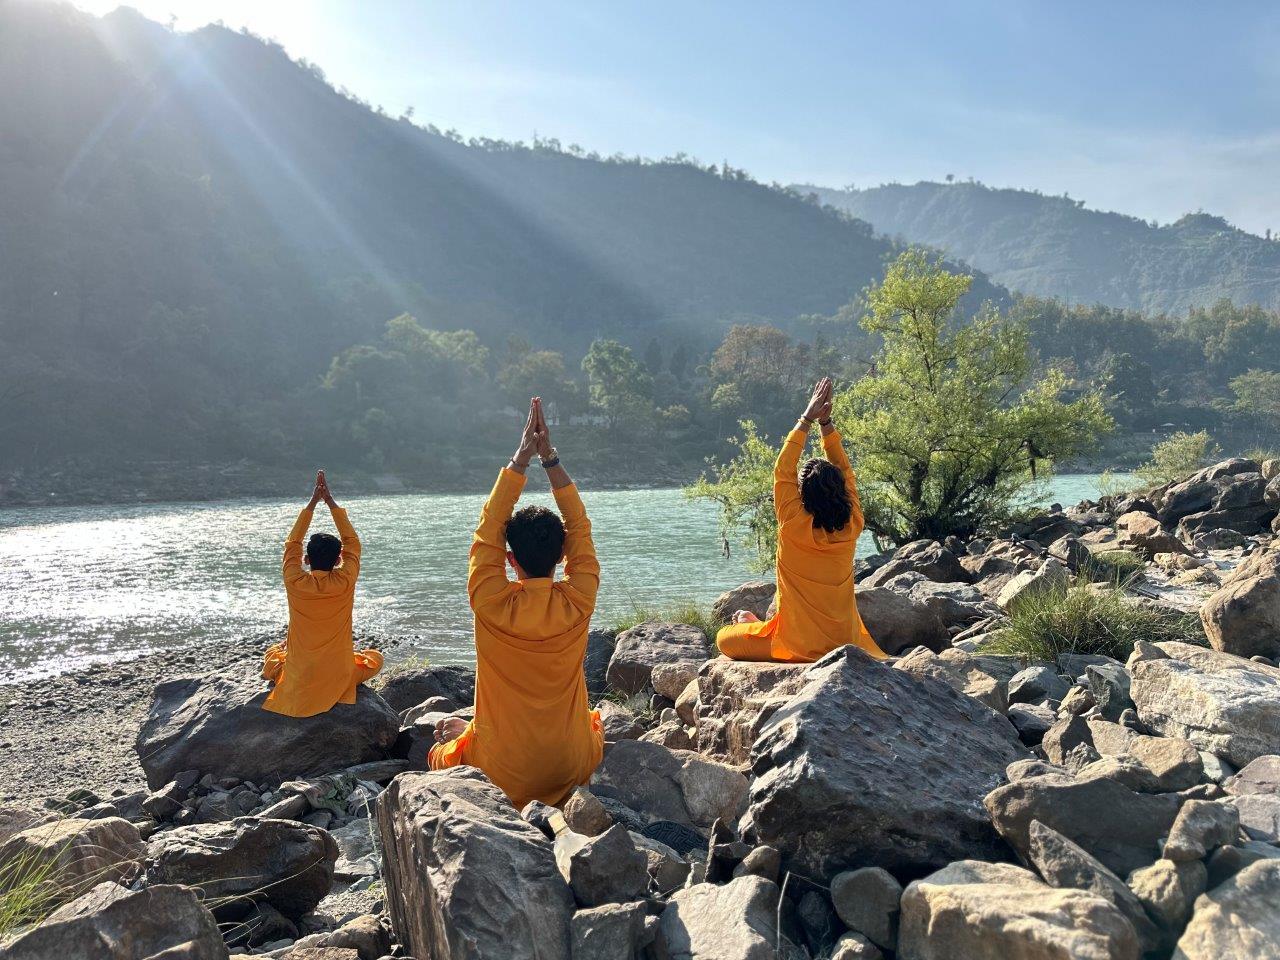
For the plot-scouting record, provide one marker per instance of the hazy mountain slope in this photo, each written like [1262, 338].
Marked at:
[195, 224]
[1053, 246]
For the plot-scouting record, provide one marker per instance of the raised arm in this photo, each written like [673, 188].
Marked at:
[786, 484]
[833, 447]
[292, 567]
[581, 568]
[487, 567]
[350, 541]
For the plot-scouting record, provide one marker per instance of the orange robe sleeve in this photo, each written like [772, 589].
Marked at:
[786, 482]
[833, 447]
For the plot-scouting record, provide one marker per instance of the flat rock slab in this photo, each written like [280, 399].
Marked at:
[467, 878]
[664, 784]
[870, 766]
[215, 724]
[1223, 704]
[735, 699]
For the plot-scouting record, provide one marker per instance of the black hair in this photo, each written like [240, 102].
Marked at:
[824, 495]
[536, 537]
[323, 550]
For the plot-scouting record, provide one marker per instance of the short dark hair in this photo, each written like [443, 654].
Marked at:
[323, 550]
[536, 537]
[824, 494]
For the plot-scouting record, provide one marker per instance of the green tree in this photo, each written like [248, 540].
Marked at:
[953, 427]
[1175, 457]
[538, 373]
[619, 387]
[743, 490]
[1258, 396]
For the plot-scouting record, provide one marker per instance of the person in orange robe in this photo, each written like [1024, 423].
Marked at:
[819, 521]
[317, 666]
[533, 734]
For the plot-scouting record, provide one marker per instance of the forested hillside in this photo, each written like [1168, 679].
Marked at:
[195, 226]
[1055, 247]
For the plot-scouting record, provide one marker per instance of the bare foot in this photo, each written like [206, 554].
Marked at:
[450, 729]
[745, 616]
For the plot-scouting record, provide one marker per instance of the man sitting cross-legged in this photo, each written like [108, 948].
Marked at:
[316, 666]
[533, 734]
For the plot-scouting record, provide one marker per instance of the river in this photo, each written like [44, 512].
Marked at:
[80, 585]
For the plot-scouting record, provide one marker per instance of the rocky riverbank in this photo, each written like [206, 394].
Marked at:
[961, 800]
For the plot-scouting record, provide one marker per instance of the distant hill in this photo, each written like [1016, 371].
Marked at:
[1054, 247]
[194, 224]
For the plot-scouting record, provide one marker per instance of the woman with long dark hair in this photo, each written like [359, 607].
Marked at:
[819, 520]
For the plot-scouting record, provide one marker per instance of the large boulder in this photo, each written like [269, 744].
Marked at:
[638, 650]
[1244, 616]
[595, 663]
[466, 877]
[736, 699]
[1175, 762]
[111, 923]
[996, 911]
[216, 724]
[407, 687]
[1120, 827]
[1223, 704]
[905, 760]
[74, 854]
[956, 604]
[1049, 577]
[755, 596]
[248, 860]
[1243, 520]
[928, 558]
[664, 784]
[1237, 918]
[898, 622]
[736, 921]
[962, 671]
[1143, 534]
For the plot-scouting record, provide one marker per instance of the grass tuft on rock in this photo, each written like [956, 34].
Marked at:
[1084, 619]
[30, 887]
[683, 611]
[1117, 567]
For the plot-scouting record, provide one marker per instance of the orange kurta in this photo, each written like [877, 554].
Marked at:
[533, 734]
[317, 666]
[816, 609]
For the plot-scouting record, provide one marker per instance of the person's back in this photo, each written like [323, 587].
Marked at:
[819, 522]
[317, 667]
[534, 734]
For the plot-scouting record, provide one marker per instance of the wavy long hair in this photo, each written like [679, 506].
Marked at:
[824, 495]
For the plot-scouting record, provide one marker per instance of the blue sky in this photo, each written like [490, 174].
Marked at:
[1153, 109]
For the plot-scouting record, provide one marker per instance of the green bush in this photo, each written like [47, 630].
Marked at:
[1085, 620]
[1118, 567]
[1173, 459]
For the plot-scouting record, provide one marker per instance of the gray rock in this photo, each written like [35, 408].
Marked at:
[667, 869]
[897, 622]
[595, 664]
[1167, 890]
[764, 861]
[1238, 918]
[282, 862]
[1124, 770]
[605, 869]
[618, 722]
[1201, 827]
[1032, 721]
[1175, 762]
[908, 795]
[1119, 827]
[962, 671]
[867, 901]
[731, 922]
[1142, 533]
[926, 557]
[736, 699]
[670, 679]
[405, 687]
[854, 946]
[956, 604]
[754, 596]
[465, 876]
[1062, 863]
[111, 923]
[74, 854]
[585, 814]
[1244, 616]
[1109, 684]
[1051, 575]
[1036, 684]
[1226, 862]
[1259, 816]
[368, 935]
[1068, 743]
[996, 911]
[216, 724]
[615, 931]
[643, 647]
[1221, 703]
[670, 784]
